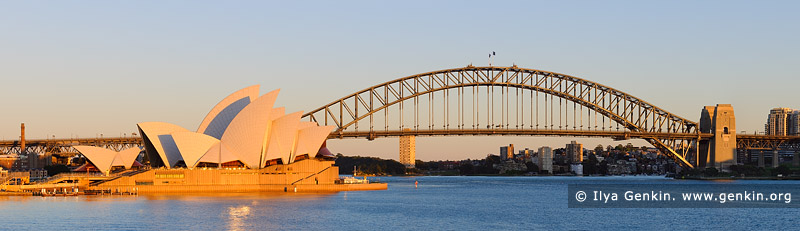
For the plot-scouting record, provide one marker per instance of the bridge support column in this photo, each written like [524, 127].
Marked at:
[408, 150]
[760, 158]
[776, 158]
[796, 159]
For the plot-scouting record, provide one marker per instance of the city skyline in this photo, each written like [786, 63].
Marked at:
[84, 70]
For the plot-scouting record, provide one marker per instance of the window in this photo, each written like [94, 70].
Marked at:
[169, 176]
[725, 130]
[144, 183]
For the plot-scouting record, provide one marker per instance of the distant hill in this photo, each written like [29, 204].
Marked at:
[369, 165]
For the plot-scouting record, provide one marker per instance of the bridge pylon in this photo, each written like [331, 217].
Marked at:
[720, 151]
[408, 149]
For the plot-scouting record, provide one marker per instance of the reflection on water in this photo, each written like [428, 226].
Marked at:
[235, 196]
[451, 203]
[237, 214]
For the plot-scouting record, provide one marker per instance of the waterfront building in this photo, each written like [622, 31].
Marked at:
[545, 159]
[574, 152]
[576, 168]
[243, 144]
[507, 152]
[243, 130]
[13, 161]
[407, 150]
[25, 161]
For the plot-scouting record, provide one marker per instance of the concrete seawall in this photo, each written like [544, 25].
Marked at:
[155, 189]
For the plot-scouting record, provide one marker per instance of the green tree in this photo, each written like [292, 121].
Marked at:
[783, 170]
[598, 149]
[619, 147]
[466, 169]
[603, 167]
[590, 165]
[710, 172]
[531, 167]
[369, 165]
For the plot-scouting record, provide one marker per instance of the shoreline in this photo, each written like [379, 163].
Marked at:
[737, 178]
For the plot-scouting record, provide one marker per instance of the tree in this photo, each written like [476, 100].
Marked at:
[531, 167]
[590, 165]
[710, 172]
[466, 169]
[629, 147]
[421, 165]
[603, 167]
[492, 159]
[369, 165]
[784, 170]
[620, 147]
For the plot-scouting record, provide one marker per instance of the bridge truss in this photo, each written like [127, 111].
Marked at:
[62, 148]
[505, 101]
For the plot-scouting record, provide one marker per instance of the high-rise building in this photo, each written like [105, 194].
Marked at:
[778, 122]
[574, 152]
[507, 152]
[546, 159]
[407, 150]
[526, 154]
[794, 123]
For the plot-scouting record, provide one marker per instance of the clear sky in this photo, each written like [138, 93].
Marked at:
[81, 68]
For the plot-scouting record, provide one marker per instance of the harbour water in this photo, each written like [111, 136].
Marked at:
[438, 203]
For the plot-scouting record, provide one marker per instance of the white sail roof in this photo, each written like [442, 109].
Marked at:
[128, 156]
[300, 127]
[310, 139]
[104, 159]
[221, 115]
[193, 146]
[158, 134]
[100, 157]
[241, 128]
[218, 153]
[281, 138]
[246, 133]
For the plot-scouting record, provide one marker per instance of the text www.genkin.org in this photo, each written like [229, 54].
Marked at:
[682, 196]
[605, 197]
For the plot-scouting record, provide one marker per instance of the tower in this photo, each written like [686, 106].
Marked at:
[22, 138]
[507, 152]
[705, 127]
[720, 151]
[574, 152]
[779, 122]
[546, 159]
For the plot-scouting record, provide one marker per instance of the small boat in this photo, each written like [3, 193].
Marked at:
[353, 180]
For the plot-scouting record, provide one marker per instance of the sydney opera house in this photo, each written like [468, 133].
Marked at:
[243, 144]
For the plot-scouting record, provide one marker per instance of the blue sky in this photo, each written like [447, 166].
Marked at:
[81, 68]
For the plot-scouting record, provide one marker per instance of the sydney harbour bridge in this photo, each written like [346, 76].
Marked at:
[477, 101]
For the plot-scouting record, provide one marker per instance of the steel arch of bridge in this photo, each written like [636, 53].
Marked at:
[637, 118]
